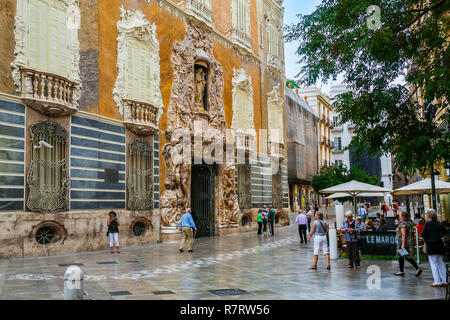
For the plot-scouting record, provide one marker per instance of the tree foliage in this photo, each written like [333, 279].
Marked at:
[340, 174]
[412, 43]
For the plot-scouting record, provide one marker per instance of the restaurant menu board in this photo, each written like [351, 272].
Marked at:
[378, 243]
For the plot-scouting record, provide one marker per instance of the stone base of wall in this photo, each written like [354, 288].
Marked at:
[76, 231]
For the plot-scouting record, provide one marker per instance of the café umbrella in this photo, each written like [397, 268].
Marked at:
[362, 195]
[422, 187]
[354, 189]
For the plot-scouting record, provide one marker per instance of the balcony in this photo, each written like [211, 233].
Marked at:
[338, 150]
[273, 62]
[245, 141]
[351, 126]
[337, 127]
[276, 149]
[140, 117]
[242, 39]
[49, 94]
[200, 11]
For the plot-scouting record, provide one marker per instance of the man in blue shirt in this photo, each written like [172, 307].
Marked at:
[187, 227]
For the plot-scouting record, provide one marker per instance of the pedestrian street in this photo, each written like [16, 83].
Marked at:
[239, 266]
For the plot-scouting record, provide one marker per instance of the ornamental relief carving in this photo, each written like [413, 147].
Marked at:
[275, 111]
[183, 110]
[134, 25]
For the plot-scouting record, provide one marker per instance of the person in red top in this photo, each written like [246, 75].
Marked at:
[420, 226]
[394, 207]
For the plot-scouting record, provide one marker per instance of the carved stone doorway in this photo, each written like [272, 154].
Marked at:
[202, 199]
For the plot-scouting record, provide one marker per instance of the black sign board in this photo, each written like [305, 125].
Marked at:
[111, 176]
[378, 243]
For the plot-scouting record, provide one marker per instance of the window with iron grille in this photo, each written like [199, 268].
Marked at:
[48, 175]
[140, 175]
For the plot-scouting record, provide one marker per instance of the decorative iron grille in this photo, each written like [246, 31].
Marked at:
[44, 235]
[139, 229]
[48, 176]
[140, 176]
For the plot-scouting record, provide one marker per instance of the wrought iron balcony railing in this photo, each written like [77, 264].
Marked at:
[48, 93]
[140, 117]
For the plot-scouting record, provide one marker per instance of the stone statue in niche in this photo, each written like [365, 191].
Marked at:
[200, 89]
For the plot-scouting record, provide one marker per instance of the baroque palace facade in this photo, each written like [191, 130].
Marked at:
[115, 105]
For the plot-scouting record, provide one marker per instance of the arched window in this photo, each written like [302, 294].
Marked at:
[140, 175]
[48, 176]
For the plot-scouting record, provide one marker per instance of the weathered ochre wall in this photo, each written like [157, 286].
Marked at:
[7, 43]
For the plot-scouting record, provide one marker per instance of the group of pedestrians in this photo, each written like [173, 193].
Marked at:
[266, 216]
[432, 233]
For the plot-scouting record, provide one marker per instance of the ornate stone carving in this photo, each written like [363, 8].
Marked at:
[133, 24]
[229, 215]
[197, 47]
[275, 105]
[200, 87]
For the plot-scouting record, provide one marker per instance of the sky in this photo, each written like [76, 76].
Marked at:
[291, 9]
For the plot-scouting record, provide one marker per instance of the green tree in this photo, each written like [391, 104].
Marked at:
[340, 174]
[411, 42]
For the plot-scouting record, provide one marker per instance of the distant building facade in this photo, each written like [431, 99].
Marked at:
[302, 124]
[342, 136]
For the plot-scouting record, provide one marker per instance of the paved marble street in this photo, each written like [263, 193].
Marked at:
[262, 268]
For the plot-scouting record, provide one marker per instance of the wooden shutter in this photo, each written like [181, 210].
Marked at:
[64, 45]
[130, 69]
[43, 35]
[32, 34]
[141, 76]
[54, 55]
[148, 74]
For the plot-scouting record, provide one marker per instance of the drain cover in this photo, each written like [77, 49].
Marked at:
[163, 292]
[107, 262]
[70, 264]
[120, 293]
[228, 292]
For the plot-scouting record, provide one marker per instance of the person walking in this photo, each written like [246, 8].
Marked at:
[309, 214]
[319, 231]
[188, 229]
[405, 244]
[259, 219]
[113, 231]
[316, 208]
[432, 233]
[351, 229]
[302, 222]
[362, 212]
[271, 220]
[265, 218]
